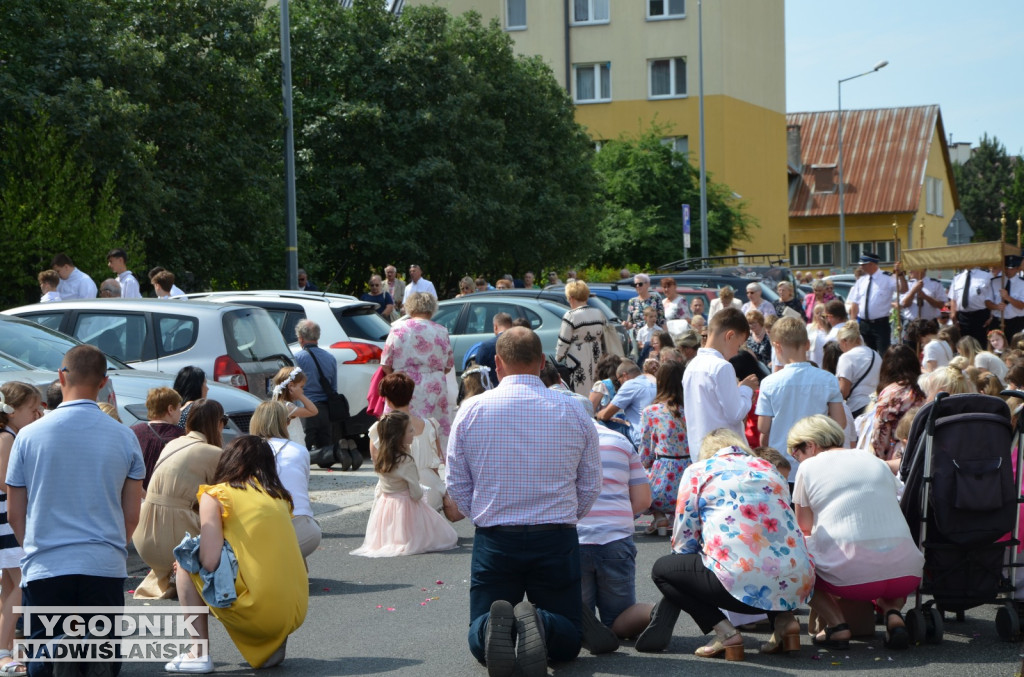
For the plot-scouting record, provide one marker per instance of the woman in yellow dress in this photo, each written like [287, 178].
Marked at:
[250, 510]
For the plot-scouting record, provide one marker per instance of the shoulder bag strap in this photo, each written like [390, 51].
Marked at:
[184, 446]
[865, 374]
[323, 379]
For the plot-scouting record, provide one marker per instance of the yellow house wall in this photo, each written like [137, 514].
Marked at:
[744, 86]
[935, 224]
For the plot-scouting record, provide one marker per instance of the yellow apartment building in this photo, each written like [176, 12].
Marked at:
[630, 62]
[896, 170]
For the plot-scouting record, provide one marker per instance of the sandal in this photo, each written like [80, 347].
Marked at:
[13, 667]
[896, 637]
[787, 640]
[830, 643]
[718, 646]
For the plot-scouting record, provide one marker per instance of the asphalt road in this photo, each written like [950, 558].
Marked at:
[408, 616]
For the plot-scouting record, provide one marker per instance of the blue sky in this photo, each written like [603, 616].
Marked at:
[968, 57]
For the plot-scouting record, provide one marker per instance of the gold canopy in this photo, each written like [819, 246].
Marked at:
[958, 256]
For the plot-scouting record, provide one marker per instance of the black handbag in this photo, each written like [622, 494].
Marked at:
[337, 405]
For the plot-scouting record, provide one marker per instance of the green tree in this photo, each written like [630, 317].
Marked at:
[983, 184]
[179, 102]
[48, 204]
[643, 182]
[427, 139]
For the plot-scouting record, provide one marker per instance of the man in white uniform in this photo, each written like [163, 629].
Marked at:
[870, 302]
[971, 302]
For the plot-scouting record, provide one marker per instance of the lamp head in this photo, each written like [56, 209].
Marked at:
[880, 65]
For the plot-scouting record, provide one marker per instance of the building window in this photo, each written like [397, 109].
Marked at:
[593, 82]
[666, 9]
[933, 195]
[884, 249]
[667, 78]
[515, 15]
[679, 144]
[824, 178]
[811, 254]
[590, 12]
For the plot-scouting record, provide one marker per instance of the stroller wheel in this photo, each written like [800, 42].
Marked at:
[1007, 622]
[933, 625]
[916, 626]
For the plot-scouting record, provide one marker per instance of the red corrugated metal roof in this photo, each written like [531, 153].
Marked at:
[884, 156]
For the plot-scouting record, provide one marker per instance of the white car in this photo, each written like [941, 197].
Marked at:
[350, 329]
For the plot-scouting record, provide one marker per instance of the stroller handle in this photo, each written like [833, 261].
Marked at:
[1012, 393]
[934, 413]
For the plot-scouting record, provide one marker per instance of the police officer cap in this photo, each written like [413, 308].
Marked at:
[1012, 261]
[868, 257]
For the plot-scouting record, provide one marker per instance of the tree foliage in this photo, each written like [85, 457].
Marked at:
[425, 139]
[643, 183]
[48, 204]
[173, 98]
[983, 184]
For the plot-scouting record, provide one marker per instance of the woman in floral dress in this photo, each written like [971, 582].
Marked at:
[644, 299]
[421, 349]
[664, 451]
[898, 393]
[737, 547]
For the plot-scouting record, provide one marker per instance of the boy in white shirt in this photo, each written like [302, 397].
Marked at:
[796, 391]
[650, 326]
[713, 397]
[48, 281]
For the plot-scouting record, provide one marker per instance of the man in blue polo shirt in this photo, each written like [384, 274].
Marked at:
[636, 392]
[74, 489]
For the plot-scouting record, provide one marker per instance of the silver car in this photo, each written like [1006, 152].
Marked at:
[235, 345]
[33, 354]
[470, 319]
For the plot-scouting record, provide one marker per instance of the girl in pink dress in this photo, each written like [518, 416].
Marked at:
[401, 521]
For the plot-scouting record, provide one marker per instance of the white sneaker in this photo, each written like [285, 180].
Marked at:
[185, 663]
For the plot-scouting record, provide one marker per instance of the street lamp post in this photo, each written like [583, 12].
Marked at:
[842, 216]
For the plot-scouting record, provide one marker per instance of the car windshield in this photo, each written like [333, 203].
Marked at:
[362, 322]
[40, 347]
[10, 364]
[251, 336]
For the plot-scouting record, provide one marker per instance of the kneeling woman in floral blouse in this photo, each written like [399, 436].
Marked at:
[737, 547]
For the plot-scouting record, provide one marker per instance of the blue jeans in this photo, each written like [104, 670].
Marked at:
[609, 577]
[543, 565]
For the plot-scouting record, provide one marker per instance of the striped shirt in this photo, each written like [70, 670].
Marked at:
[522, 454]
[611, 518]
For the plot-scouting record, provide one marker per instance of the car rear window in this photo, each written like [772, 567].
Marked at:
[251, 336]
[120, 336]
[176, 333]
[362, 322]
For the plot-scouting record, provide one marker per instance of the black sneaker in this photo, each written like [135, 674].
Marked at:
[658, 633]
[531, 650]
[499, 641]
[598, 638]
[341, 456]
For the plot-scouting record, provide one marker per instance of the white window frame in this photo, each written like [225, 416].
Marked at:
[815, 255]
[673, 67]
[667, 14]
[599, 96]
[509, 26]
[590, 20]
[933, 195]
[885, 250]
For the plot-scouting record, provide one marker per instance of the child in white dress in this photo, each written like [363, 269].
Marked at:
[288, 384]
[401, 521]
